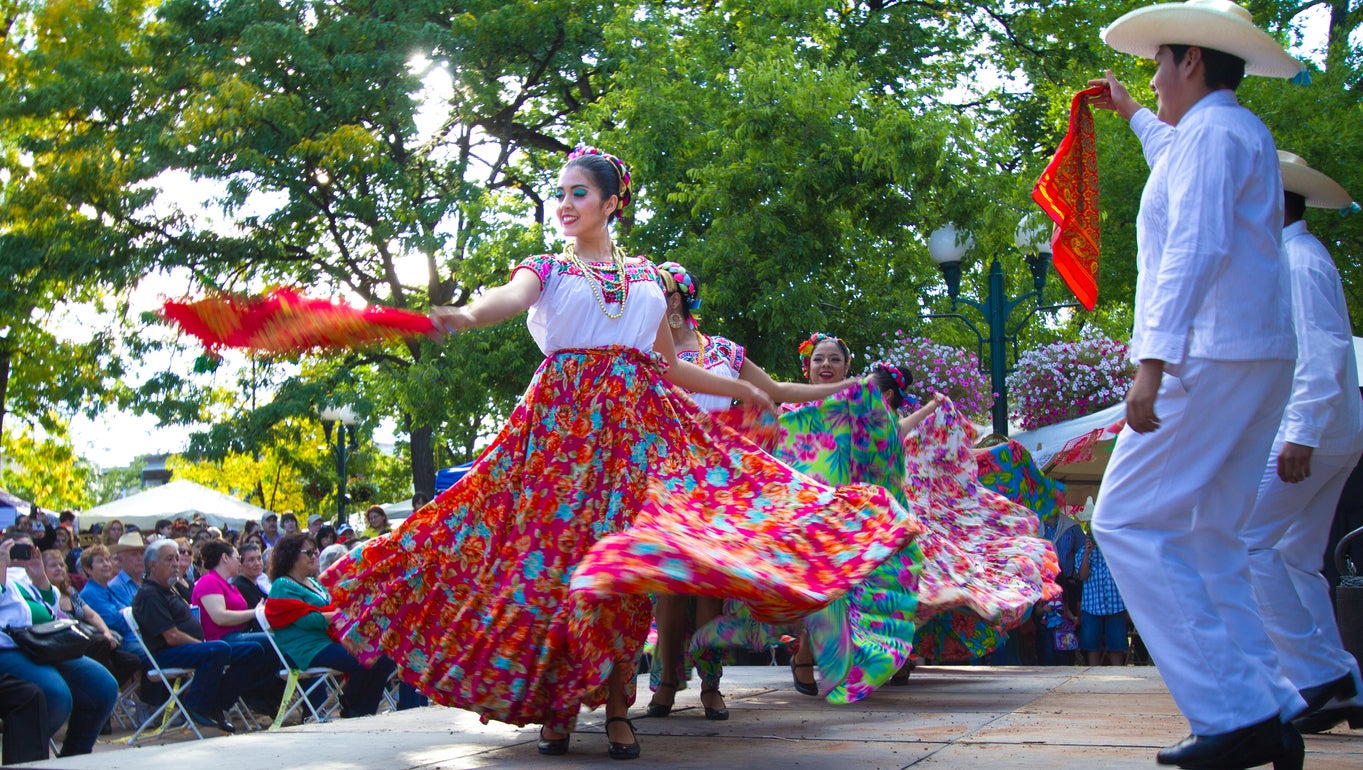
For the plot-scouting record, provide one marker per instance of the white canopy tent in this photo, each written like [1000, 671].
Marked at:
[168, 501]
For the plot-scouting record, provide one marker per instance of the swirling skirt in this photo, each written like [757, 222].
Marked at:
[518, 591]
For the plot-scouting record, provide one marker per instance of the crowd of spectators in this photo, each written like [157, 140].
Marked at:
[193, 589]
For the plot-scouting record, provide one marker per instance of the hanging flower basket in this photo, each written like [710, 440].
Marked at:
[938, 368]
[1068, 379]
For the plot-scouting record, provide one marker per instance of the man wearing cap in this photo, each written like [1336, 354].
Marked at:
[1318, 445]
[1214, 344]
[314, 524]
[269, 529]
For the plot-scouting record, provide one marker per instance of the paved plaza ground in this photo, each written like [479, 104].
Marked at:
[947, 717]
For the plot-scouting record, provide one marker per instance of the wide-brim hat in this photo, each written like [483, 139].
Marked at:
[1320, 191]
[1217, 24]
[130, 541]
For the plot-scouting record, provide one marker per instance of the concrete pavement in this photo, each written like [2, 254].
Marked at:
[947, 717]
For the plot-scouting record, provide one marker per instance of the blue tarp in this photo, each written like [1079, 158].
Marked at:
[445, 477]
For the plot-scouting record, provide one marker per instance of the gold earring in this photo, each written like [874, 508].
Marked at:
[675, 321]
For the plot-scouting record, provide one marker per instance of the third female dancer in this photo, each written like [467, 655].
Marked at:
[677, 616]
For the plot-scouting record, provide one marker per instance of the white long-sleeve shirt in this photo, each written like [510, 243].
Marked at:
[14, 611]
[1325, 410]
[1211, 280]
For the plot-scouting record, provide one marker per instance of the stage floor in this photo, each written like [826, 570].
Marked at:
[947, 717]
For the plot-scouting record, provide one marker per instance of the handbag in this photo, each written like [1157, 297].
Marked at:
[54, 641]
[1065, 637]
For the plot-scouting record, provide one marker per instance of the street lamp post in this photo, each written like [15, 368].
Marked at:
[947, 247]
[347, 438]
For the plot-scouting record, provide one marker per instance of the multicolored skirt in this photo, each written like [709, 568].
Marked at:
[518, 591]
[986, 564]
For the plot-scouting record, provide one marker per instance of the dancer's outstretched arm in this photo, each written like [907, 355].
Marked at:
[493, 306]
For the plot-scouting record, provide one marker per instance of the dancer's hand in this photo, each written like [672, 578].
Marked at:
[1140, 399]
[450, 319]
[1294, 462]
[755, 396]
[1117, 98]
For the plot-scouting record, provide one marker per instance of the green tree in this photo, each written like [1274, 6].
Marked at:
[46, 470]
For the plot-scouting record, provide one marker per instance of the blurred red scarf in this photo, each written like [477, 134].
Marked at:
[1068, 192]
[281, 613]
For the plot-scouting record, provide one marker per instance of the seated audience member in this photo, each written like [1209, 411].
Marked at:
[23, 709]
[79, 689]
[326, 536]
[251, 580]
[269, 530]
[315, 523]
[98, 596]
[223, 612]
[288, 523]
[345, 535]
[299, 610]
[123, 664]
[128, 554]
[175, 638]
[377, 518]
[330, 555]
[113, 532]
[65, 543]
[184, 570]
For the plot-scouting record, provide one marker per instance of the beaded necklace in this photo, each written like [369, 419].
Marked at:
[597, 277]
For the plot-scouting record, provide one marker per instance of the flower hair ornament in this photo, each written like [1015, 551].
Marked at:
[677, 278]
[807, 350]
[901, 383]
[621, 172]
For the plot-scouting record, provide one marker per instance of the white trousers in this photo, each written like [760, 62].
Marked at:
[1287, 537]
[1169, 519]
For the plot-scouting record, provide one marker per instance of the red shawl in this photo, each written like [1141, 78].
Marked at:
[285, 612]
[284, 321]
[1068, 192]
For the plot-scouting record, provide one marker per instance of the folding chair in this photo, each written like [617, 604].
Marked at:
[125, 710]
[175, 681]
[317, 680]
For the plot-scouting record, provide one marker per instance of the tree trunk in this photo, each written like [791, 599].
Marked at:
[423, 461]
[5, 358]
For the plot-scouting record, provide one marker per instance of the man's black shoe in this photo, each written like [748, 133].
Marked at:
[1326, 719]
[1258, 744]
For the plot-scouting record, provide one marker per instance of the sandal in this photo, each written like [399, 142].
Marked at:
[661, 709]
[803, 688]
[553, 746]
[718, 715]
[621, 750]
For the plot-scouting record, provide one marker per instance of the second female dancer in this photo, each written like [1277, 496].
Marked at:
[505, 595]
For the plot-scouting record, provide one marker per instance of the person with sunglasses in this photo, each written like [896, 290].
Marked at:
[299, 610]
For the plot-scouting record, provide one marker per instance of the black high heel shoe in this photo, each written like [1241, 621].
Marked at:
[716, 715]
[553, 746]
[661, 709]
[621, 750]
[802, 687]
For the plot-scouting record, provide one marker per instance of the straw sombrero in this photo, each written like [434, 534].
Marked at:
[1217, 24]
[131, 541]
[1320, 191]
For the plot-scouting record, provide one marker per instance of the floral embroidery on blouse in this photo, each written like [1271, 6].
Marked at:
[714, 352]
[545, 265]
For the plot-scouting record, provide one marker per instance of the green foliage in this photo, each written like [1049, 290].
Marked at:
[45, 470]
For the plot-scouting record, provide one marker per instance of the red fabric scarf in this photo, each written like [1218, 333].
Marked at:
[284, 321]
[285, 612]
[1068, 192]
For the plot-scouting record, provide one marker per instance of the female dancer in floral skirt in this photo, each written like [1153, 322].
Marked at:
[505, 595]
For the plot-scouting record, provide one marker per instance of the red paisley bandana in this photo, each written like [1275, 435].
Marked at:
[1068, 192]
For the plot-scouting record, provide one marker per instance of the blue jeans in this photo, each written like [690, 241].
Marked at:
[363, 687]
[79, 689]
[1102, 632]
[210, 691]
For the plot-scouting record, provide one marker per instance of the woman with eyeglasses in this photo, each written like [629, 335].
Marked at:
[299, 611]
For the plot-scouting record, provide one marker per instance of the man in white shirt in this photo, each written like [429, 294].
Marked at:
[1214, 345]
[1318, 445]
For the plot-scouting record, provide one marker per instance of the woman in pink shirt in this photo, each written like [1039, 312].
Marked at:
[223, 611]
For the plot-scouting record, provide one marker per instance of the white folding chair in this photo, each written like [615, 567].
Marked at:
[175, 681]
[316, 681]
